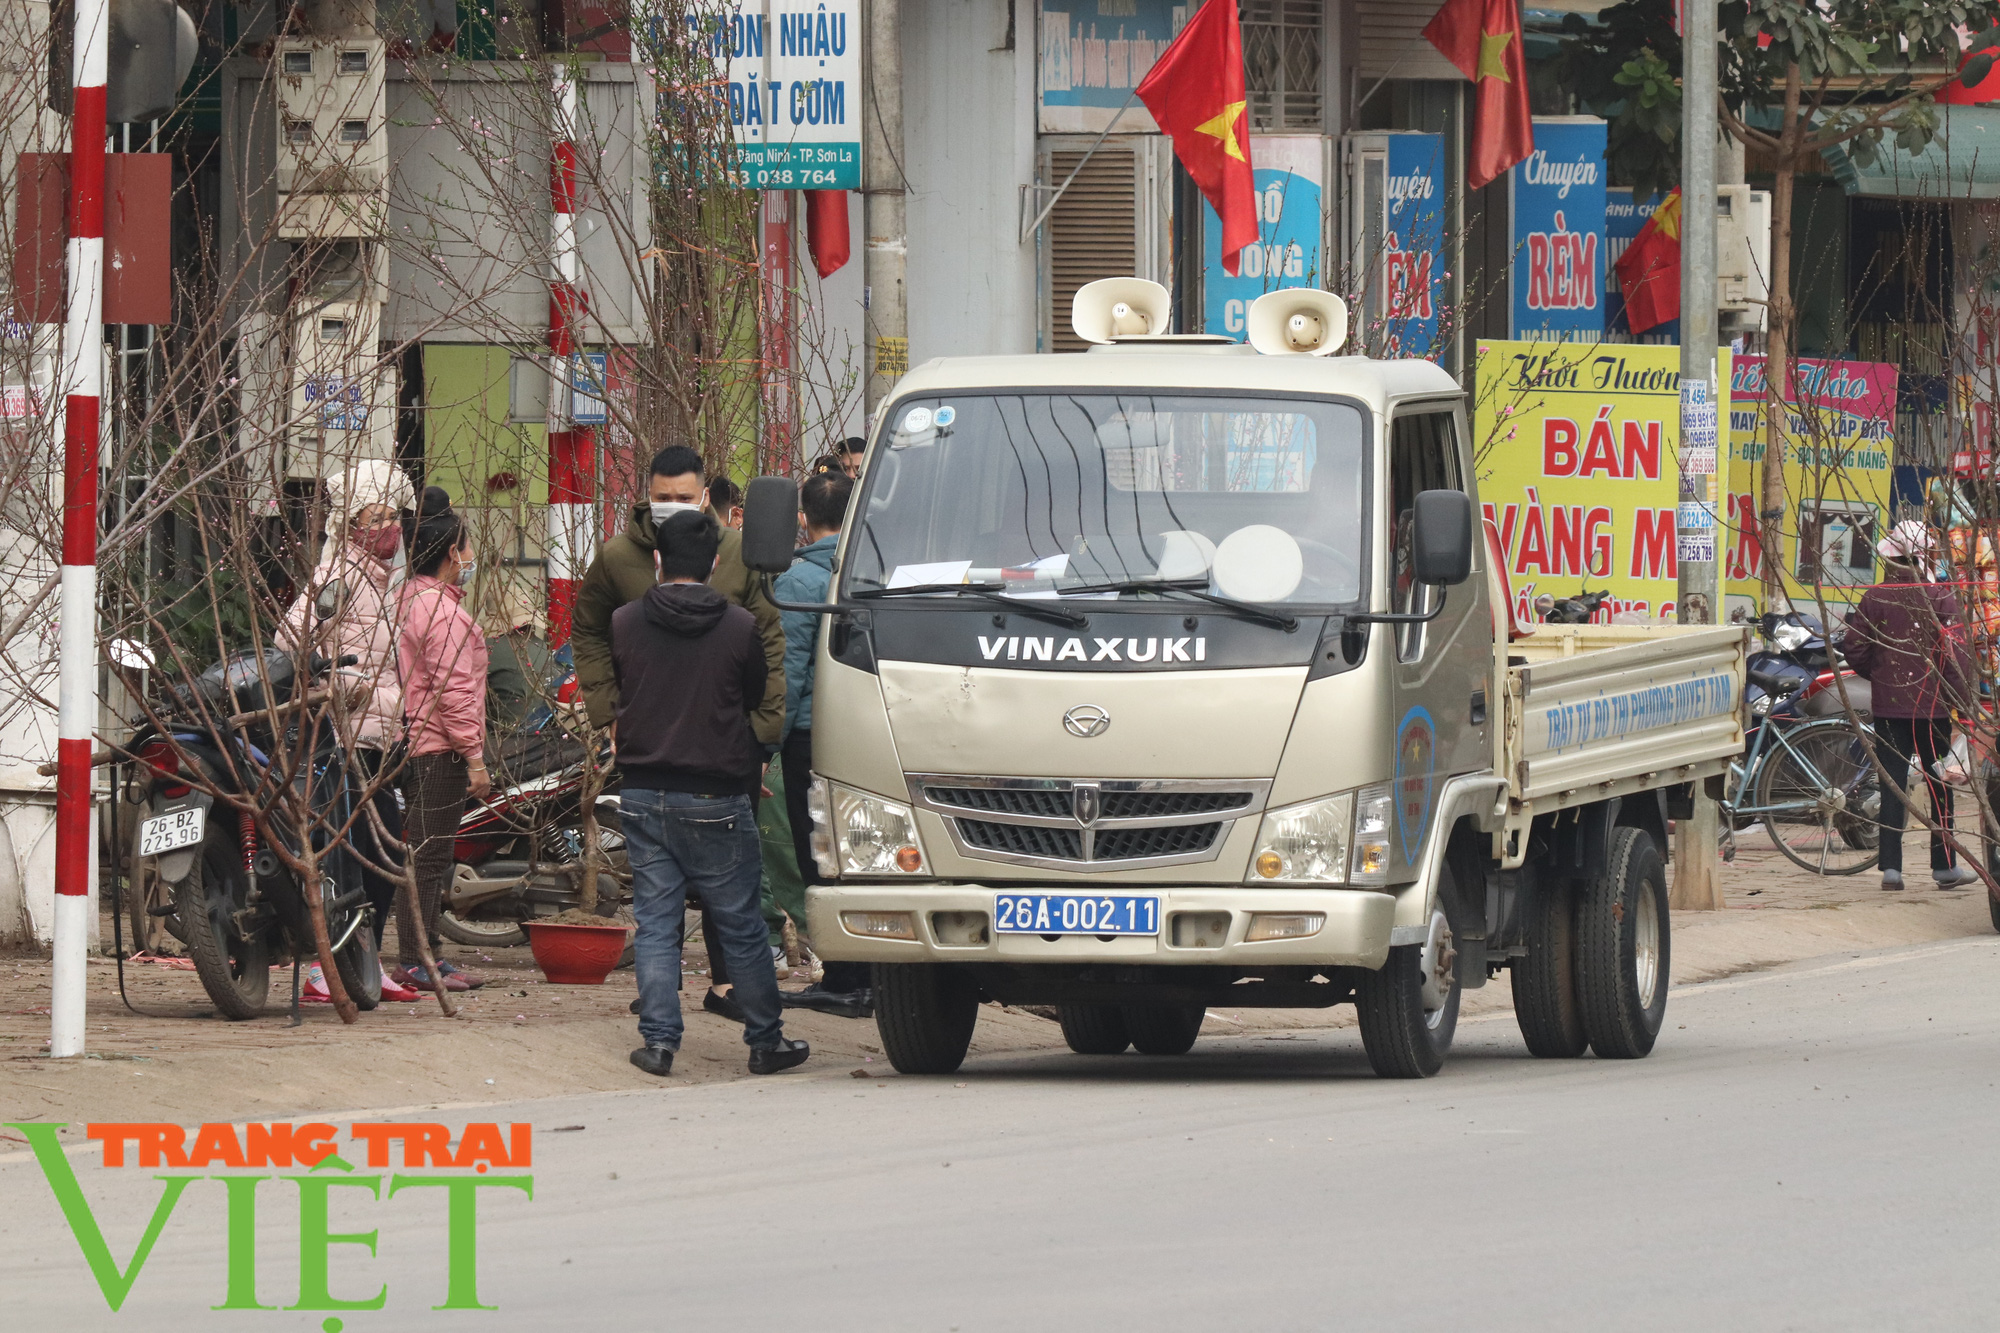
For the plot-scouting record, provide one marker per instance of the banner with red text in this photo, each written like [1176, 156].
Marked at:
[1839, 443]
[1578, 450]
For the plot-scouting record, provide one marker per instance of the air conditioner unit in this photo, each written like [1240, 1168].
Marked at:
[1743, 256]
[342, 398]
[333, 145]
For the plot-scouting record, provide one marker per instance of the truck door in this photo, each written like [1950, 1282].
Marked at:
[1441, 667]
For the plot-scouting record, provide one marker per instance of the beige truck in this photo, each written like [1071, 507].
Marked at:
[1178, 673]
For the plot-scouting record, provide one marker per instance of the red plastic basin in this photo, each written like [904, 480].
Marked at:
[576, 955]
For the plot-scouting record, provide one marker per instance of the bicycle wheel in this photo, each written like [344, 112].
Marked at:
[1820, 799]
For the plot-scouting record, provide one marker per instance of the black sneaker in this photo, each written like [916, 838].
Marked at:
[842, 1004]
[656, 1060]
[774, 1059]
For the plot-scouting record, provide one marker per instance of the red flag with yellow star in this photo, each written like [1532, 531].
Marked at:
[1649, 272]
[1483, 38]
[1195, 92]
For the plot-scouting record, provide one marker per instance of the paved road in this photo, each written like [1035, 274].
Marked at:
[1814, 1149]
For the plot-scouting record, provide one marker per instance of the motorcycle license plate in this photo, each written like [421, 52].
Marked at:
[173, 830]
[1075, 914]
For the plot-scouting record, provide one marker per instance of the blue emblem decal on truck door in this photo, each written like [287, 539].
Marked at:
[1416, 762]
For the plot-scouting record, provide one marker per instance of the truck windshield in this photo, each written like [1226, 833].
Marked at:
[1041, 493]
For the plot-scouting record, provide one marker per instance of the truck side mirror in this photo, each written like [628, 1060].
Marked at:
[770, 523]
[1442, 539]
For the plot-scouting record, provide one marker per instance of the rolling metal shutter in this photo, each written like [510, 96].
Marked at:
[1392, 44]
[1091, 231]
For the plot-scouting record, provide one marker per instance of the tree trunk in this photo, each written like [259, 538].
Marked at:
[1778, 346]
[343, 1004]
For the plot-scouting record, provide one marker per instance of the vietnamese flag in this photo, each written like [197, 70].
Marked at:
[1483, 38]
[826, 230]
[1195, 92]
[1649, 272]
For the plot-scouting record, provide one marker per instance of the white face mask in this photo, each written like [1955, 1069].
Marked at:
[465, 572]
[666, 509]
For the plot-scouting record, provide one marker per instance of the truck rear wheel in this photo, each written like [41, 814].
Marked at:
[1094, 1029]
[1164, 1029]
[925, 1013]
[1622, 951]
[1545, 1002]
[1407, 1024]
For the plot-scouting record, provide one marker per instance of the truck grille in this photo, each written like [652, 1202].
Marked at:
[1133, 844]
[1022, 839]
[1075, 823]
[1003, 800]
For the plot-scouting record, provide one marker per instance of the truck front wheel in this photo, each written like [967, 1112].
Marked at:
[1164, 1029]
[925, 1013]
[1407, 1017]
[1094, 1029]
[1622, 949]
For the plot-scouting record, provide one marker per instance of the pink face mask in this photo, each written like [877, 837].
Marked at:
[380, 542]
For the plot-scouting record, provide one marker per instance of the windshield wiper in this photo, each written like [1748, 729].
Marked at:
[985, 592]
[1191, 587]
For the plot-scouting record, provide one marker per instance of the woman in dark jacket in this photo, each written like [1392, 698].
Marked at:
[1906, 640]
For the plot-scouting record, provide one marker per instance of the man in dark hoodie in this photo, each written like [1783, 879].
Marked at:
[690, 673]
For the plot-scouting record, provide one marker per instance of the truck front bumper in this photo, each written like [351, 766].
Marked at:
[1200, 925]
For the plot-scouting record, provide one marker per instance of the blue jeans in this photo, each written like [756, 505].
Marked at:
[675, 840]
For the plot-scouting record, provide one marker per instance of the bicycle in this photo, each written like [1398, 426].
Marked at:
[1811, 784]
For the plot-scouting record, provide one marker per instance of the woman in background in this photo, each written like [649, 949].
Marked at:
[1905, 639]
[347, 611]
[443, 659]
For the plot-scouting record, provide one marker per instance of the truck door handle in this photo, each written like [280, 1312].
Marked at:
[1478, 707]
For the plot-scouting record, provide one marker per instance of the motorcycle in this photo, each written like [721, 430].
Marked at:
[1794, 676]
[233, 901]
[519, 852]
[1578, 610]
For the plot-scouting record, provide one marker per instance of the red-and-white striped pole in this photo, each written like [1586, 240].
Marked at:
[572, 449]
[79, 389]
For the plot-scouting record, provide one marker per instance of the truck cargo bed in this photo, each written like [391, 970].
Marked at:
[1592, 711]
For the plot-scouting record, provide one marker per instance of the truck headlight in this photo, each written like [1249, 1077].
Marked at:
[1306, 843]
[868, 836]
[1372, 816]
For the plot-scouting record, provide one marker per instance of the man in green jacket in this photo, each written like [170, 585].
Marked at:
[623, 572]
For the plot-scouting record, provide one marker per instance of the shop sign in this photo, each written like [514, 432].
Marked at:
[1291, 185]
[793, 76]
[1094, 53]
[1578, 450]
[1558, 206]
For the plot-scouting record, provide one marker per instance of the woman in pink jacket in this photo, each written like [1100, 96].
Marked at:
[346, 611]
[443, 658]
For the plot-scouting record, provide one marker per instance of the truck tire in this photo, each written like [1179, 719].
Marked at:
[1094, 1029]
[1402, 1038]
[1545, 1002]
[1622, 953]
[234, 971]
[925, 1013]
[1164, 1029]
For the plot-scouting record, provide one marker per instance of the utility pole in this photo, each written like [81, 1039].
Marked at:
[883, 214]
[572, 448]
[80, 391]
[1697, 875]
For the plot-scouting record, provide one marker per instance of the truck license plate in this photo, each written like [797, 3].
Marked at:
[174, 829]
[1075, 914]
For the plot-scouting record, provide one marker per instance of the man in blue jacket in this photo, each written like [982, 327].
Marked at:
[844, 990]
